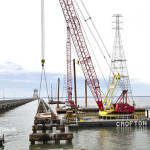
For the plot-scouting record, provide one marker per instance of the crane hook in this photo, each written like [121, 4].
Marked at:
[43, 61]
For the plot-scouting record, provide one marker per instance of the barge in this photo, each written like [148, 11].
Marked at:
[110, 120]
[110, 123]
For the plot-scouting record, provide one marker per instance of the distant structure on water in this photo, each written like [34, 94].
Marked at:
[35, 94]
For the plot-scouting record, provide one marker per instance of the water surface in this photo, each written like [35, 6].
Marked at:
[17, 123]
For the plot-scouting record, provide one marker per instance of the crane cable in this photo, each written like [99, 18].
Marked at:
[43, 73]
[96, 29]
[92, 49]
[43, 48]
[93, 34]
[120, 84]
[76, 57]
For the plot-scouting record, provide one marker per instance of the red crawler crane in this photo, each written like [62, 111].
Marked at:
[69, 74]
[121, 104]
[82, 50]
[74, 30]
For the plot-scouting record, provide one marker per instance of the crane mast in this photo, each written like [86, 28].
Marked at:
[81, 49]
[69, 73]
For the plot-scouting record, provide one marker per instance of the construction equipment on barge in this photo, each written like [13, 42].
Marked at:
[51, 100]
[85, 60]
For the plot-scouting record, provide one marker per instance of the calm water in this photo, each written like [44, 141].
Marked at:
[17, 124]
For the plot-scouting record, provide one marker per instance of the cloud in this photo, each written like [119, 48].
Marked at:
[10, 67]
[14, 76]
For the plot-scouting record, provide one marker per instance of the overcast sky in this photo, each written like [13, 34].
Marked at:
[20, 39]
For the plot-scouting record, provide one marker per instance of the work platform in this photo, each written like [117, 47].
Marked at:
[62, 110]
[46, 120]
[56, 102]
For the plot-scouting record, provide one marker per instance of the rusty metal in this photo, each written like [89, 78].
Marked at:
[75, 89]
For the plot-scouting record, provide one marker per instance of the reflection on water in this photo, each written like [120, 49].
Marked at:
[1, 147]
[51, 146]
[124, 138]
[17, 123]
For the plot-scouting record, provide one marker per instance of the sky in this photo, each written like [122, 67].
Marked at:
[20, 43]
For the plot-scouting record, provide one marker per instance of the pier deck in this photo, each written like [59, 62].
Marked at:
[46, 120]
[8, 104]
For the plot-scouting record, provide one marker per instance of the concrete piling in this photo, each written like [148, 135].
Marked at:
[66, 129]
[54, 130]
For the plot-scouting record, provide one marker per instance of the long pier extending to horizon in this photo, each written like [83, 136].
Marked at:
[9, 104]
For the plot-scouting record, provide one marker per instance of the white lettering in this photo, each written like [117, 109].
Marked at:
[126, 124]
[118, 124]
[122, 124]
[131, 123]
[135, 123]
[144, 123]
[140, 123]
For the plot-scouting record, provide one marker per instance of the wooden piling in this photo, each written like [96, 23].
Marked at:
[58, 93]
[47, 127]
[45, 121]
[75, 90]
[85, 93]
[50, 136]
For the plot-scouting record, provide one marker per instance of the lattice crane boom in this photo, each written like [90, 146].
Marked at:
[69, 73]
[81, 49]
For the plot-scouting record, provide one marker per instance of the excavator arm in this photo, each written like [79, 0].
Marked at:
[109, 96]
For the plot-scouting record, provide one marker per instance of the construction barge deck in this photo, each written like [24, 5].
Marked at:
[96, 122]
[110, 123]
[60, 110]
[56, 102]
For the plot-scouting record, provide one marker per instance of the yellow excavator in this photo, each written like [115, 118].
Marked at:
[109, 96]
[121, 105]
